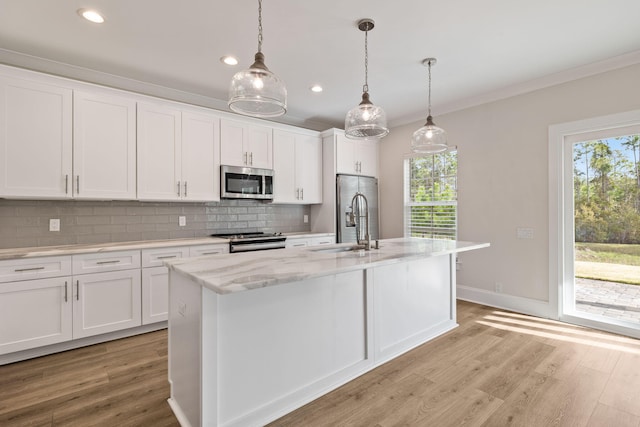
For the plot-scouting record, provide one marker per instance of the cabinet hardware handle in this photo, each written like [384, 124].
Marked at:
[77, 184]
[65, 291]
[302, 193]
[108, 262]
[178, 188]
[251, 158]
[77, 290]
[166, 256]
[66, 184]
[185, 189]
[245, 157]
[210, 253]
[297, 194]
[18, 270]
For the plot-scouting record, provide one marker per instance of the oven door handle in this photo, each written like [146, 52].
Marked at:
[246, 247]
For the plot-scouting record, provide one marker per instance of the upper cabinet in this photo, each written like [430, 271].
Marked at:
[200, 156]
[159, 144]
[104, 146]
[35, 139]
[245, 144]
[356, 157]
[297, 162]
[177, 154]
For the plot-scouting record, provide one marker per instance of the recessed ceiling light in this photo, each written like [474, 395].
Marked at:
[316, 88]
[229, 60]
[91, 15]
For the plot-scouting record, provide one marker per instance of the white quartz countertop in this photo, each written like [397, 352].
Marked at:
[229, 273]
[31, 252]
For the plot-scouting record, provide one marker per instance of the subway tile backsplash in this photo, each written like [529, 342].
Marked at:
[25, 223]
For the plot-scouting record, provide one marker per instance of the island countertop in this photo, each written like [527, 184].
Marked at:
[229, 273]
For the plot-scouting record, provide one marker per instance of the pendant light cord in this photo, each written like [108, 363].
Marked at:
[365, 88]
[429, 88]
[259, 25]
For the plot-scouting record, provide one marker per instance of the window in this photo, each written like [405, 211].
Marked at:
[430, 207]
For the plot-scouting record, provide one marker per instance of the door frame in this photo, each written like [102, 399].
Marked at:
[561, 218]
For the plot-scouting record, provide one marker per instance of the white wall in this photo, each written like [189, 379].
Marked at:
[503, 181]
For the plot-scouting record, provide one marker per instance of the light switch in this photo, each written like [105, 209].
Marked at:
[524, 233]
[305, 219]
[182, 221]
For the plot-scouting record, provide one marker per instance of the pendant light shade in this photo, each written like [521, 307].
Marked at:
[366, 121]
[257, 91]
[430, 138]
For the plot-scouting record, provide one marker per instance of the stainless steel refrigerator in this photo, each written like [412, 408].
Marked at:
[346, 187]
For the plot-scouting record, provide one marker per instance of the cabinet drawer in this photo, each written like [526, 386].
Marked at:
[155, 257]
[296, 243]
[208, 250]
[328, 240]
[105, 261]
[34, 268]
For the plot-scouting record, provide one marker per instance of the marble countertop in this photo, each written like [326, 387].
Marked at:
[229, 273]
[31, 252]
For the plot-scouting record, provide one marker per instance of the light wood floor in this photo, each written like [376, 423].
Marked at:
[497, 369]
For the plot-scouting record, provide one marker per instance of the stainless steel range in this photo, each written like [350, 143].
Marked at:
[254, 241]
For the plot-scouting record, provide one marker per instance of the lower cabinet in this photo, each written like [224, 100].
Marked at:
[35, 313]
[106, 302]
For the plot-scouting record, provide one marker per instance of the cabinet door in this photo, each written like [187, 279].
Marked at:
[159, 146]
[106, 302]
[34, 313]
[200, 157]
[104, 147]
[232, 137]
[285, 188]
[346, 155]
[367, 154]
[309, 168]
[259, 145]
[35, 139]
[155, 294]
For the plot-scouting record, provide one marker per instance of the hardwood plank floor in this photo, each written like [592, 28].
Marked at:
[497, 369]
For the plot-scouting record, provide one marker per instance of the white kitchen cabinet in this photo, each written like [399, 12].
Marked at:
[35, 139]
[159, 142]
[297, 162]
[155, 277]
[34, 313]
[104, 146]
[213, 249]
[356, 157]
[155, 282]
[106, 302]
[301, 241]
[246, 144]
[177, 154]
[107, 297]
[200, 168]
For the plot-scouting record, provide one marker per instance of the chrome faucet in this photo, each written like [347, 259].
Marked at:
[356, 218]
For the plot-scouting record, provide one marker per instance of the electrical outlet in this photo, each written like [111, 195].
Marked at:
[499, 287]
[182, 309]
[54, 224]
[182, 221]
[305, 219]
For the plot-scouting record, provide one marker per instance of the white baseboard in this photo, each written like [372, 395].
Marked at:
[522, 305]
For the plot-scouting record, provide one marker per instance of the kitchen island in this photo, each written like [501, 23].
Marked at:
[254, 336]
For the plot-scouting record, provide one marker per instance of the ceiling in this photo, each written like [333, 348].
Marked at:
[485, 49]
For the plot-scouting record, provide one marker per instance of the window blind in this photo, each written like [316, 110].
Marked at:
[430, 208]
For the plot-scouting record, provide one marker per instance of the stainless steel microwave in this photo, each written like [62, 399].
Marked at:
[246, 183]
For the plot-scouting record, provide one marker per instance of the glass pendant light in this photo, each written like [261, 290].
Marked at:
[429, 138]
[367, 120]
[257, 91]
